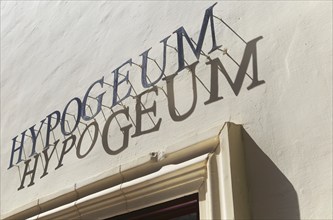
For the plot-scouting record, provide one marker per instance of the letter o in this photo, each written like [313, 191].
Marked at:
[77, 118]
[78, 154]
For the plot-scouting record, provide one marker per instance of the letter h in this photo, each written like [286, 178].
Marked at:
[14, 149]
[26, 172]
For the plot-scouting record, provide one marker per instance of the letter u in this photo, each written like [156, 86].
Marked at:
[176, 116]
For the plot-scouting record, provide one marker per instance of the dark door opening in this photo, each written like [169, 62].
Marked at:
[185, 208]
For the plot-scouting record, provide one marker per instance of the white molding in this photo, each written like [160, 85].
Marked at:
[218, 176]
[172, 181]
[142, 166]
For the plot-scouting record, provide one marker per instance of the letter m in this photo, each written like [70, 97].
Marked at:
[236, 85]
[196, 50]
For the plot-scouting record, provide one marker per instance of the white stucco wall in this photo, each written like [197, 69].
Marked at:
[53, 51]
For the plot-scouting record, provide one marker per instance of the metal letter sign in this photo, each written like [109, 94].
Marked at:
[122, 80]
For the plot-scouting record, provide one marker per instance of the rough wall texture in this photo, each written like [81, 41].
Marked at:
[53, 51]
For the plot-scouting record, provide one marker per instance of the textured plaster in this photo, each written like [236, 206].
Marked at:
[52, 51]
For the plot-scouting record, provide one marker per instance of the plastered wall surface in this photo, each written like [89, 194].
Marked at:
[53, 51]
